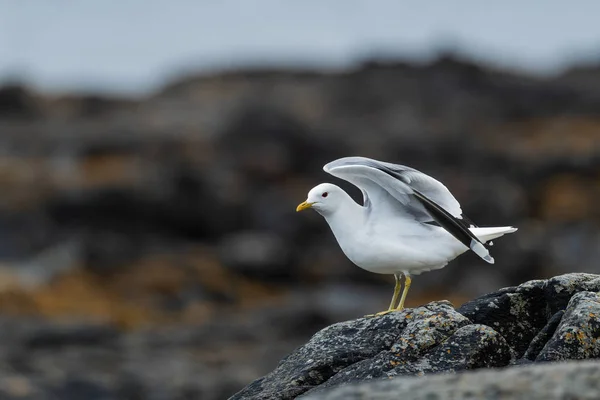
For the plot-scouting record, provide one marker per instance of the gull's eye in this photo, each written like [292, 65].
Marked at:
[325, 194]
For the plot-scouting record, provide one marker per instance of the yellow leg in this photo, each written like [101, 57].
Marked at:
[396, 292]
[407, 283]
[394, 298]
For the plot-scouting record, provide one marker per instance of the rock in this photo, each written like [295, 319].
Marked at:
[470, 347]
[426, 339]
[255, 253]
[558, 290]
[18, 101]
[473, 346]
[328, 352]
[520, 313]
[517, 313]
[94, 335]
[542, 320]
[572, 380]
[577, 334]
[542, 338]
[425, 329]
[73, 389]
[267, 141]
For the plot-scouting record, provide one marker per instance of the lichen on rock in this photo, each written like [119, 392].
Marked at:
[577, 334]
[538, 321]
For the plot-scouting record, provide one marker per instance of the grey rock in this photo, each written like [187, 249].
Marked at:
[426, 339]
[328, 352]
[571, 380]
[559, 290]
[470, 347]
[426, 328]
[577, 334]
[520, 313]
[517, 313]
[515, 325]
[538, 342]
[255, 253]
[83, 334]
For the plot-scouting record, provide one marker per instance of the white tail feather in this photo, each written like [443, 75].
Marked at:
[486, 234]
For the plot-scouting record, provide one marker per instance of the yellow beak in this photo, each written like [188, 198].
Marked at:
[303, 206]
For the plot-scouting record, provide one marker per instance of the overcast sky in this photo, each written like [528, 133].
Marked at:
[134, 45]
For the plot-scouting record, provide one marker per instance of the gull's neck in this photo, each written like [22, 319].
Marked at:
[347, 220]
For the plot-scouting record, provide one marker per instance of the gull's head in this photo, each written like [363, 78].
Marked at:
[324, 199]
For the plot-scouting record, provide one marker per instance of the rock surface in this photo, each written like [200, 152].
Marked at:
[572, 380]
[577, 334]
[538, 321]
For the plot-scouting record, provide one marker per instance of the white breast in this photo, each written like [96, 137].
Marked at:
[395, 251]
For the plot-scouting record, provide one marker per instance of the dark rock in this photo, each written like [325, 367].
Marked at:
[426, 339]
[520, 313]
[72, 335]
[538, 342]
[328, 352]
[130, 388]
[266, 142]
[425, 329]
[471, 347]
[517, 313]
[577, 334]
[255, 253]
[572, 380]
[520, 324]
[559, 290]
[17, 101]
[76, 389]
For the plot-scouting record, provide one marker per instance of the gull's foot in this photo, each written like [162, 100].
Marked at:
[379, 314]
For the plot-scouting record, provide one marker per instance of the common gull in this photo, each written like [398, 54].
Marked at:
[409, 222]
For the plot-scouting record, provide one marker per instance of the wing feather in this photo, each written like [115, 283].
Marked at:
[419, 195]
[430, 187]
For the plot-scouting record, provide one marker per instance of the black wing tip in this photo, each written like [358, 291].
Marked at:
[455, 226]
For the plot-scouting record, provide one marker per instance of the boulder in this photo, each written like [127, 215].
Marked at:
[577, 333]
[572, 380]
[538, 321]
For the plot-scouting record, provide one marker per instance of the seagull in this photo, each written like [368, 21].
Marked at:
[409, 222]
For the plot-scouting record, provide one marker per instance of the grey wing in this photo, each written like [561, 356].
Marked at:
[422, 197]
[416, 180]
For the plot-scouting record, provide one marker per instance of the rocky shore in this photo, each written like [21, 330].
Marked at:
[534, 323]
[162, 227]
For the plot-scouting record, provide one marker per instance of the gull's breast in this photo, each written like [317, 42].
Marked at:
[392, 252]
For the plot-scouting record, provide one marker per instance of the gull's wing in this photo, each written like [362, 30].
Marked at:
[389, 188]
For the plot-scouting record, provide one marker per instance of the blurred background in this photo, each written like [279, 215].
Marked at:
[152, 155]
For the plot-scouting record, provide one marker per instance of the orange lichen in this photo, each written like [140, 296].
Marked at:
[135, 295]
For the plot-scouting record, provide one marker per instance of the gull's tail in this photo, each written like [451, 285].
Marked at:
[486, 234]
